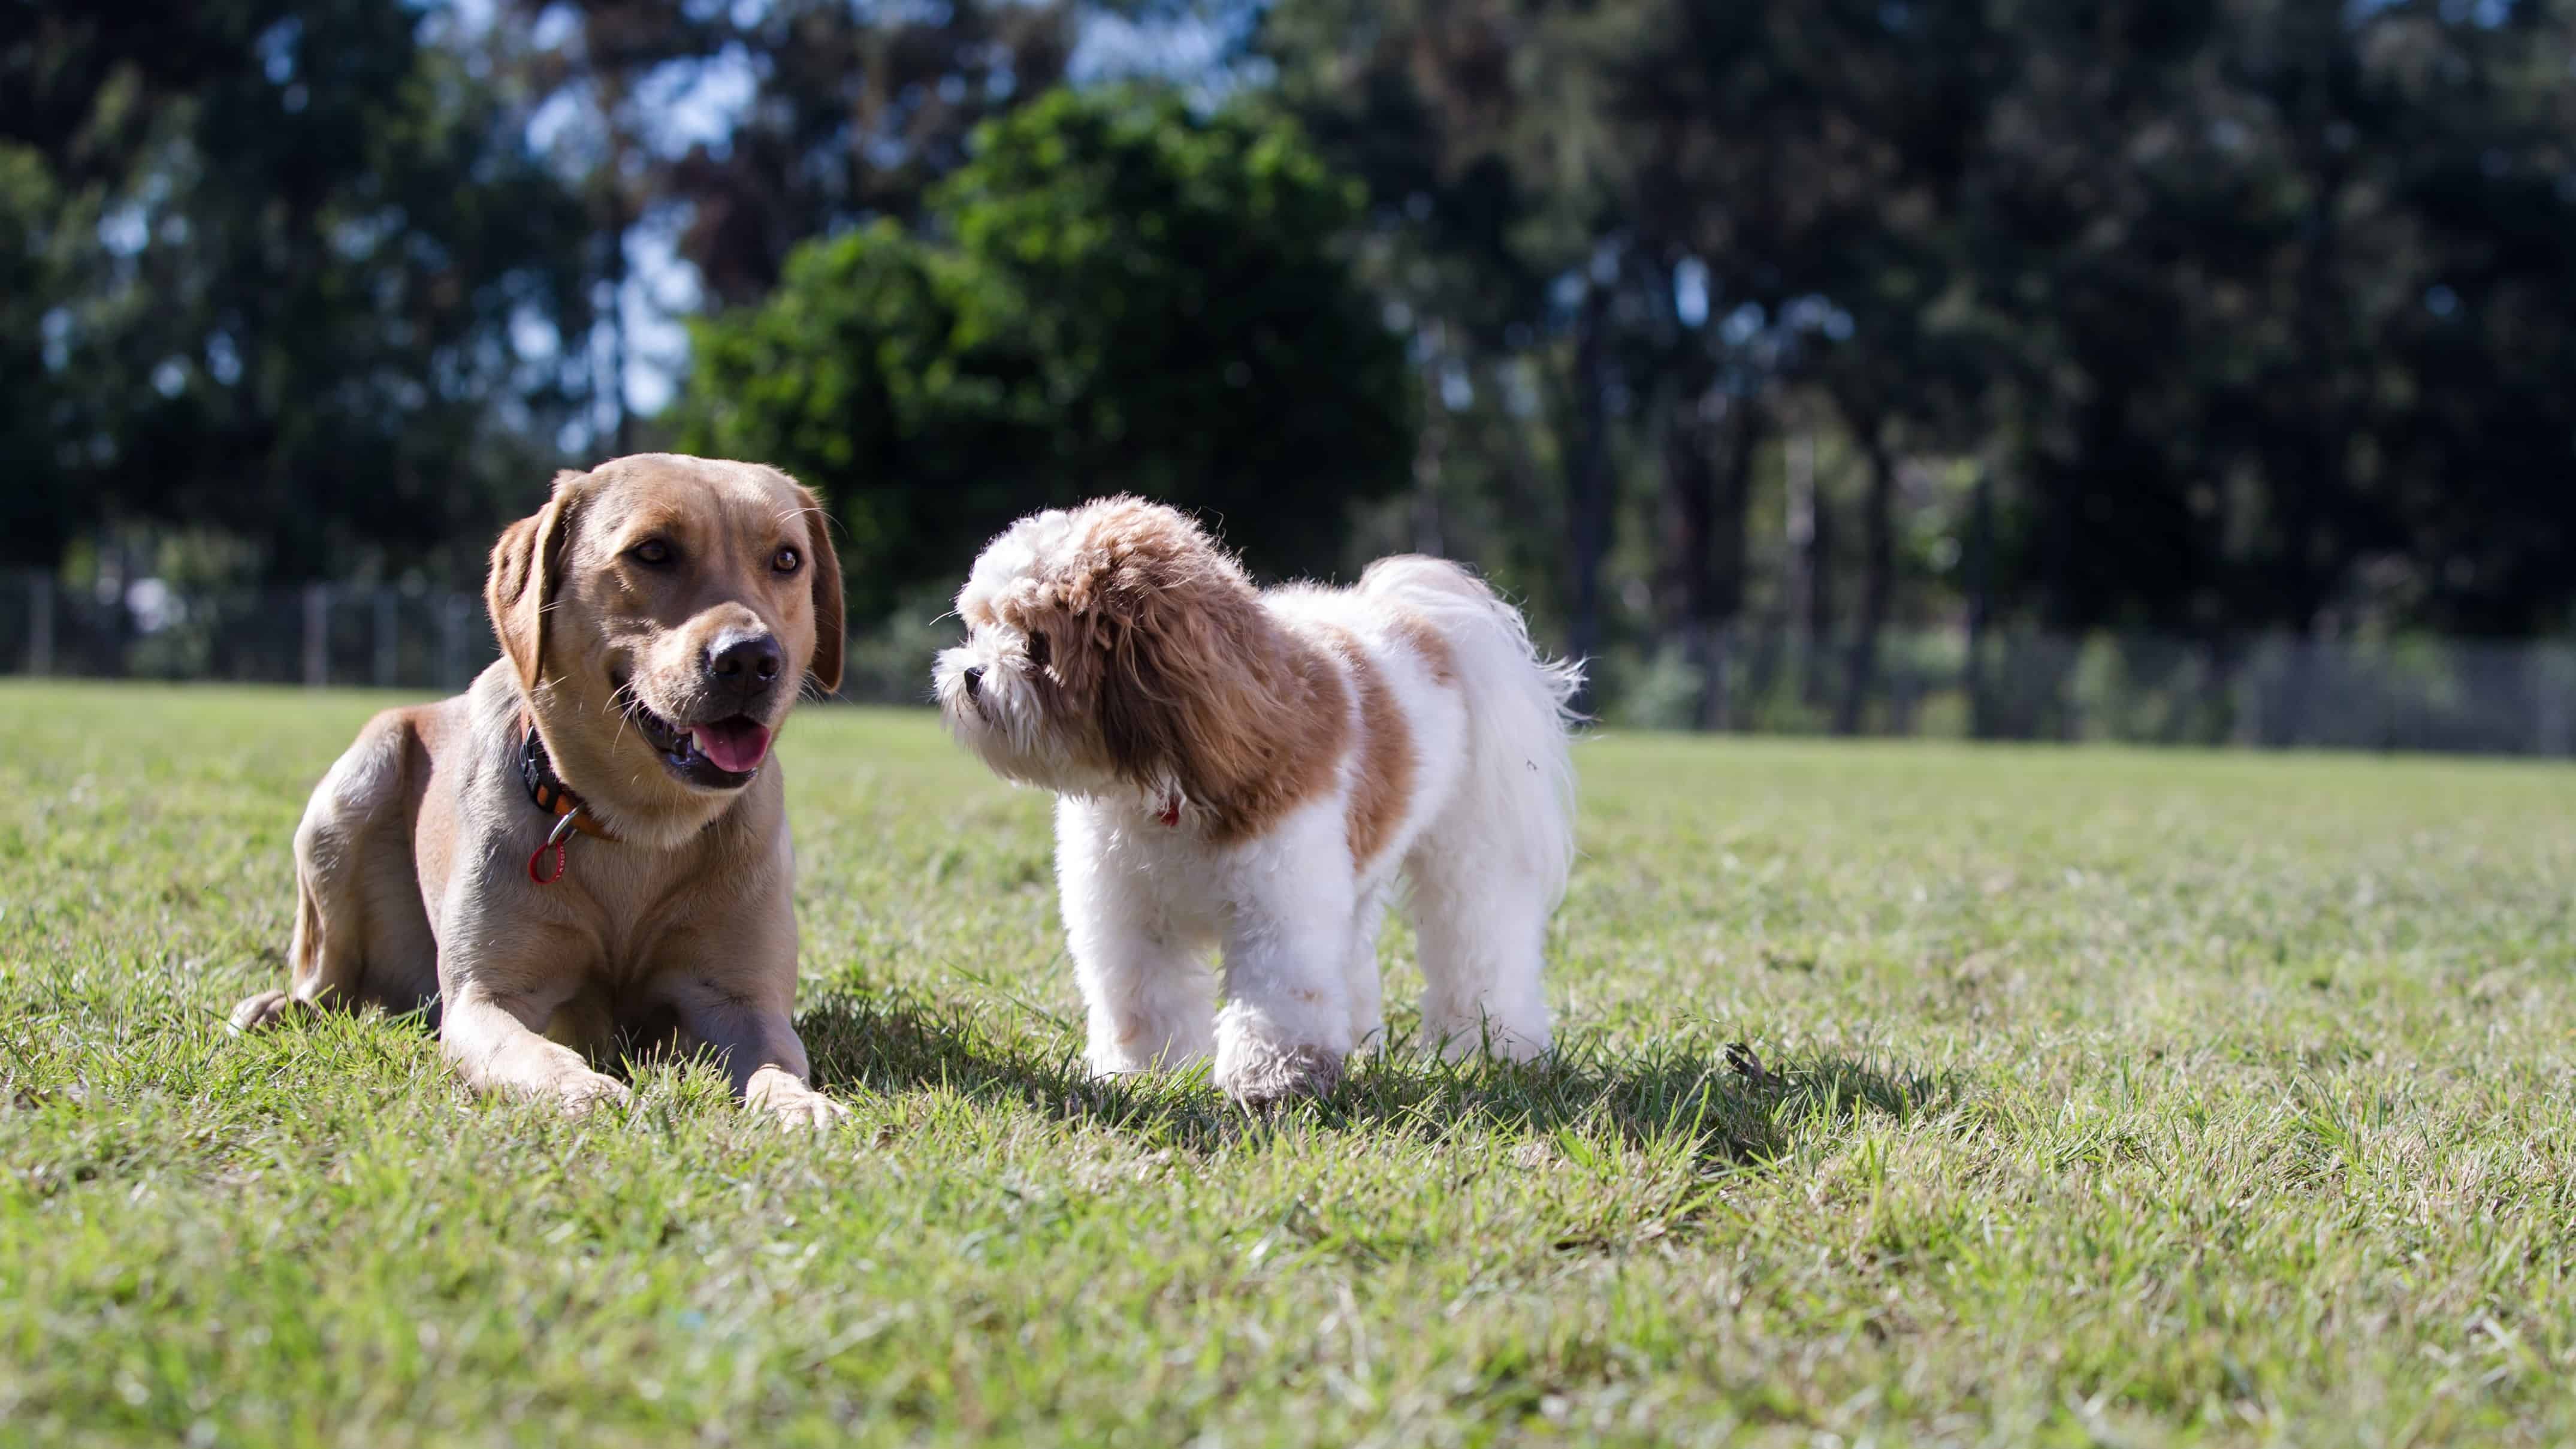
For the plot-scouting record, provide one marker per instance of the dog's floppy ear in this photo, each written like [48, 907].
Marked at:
[527, 564]
[1195, 690]
[830, 630]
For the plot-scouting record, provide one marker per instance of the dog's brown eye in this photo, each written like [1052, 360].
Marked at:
[1038, 652]
[785, 560]
[652, 552]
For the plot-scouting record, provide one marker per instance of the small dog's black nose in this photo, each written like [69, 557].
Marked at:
[974, 681]
[746, 661]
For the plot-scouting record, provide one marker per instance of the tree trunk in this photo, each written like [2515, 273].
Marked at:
[1588, 485]
[1430, 452]
[1878, 582]
[1981, 604]
[622, 431]
[1709, 444]
[1689, 512]
[1730, 537]
[2041, 708]
[1811, 561]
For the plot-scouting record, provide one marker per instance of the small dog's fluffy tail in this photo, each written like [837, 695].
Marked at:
[1517, 796]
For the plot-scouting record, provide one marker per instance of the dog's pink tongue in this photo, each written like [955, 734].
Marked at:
[737, 745]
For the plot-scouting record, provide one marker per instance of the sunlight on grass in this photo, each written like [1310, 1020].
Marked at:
[2086, 1096]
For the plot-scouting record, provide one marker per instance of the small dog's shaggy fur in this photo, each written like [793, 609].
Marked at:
[1256, 770]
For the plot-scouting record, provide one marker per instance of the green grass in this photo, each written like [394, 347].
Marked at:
[2101, 1097]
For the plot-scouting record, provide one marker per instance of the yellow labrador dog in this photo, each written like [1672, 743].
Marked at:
[589, 845]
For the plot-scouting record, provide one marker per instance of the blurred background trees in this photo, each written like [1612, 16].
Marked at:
[1116, 294]
[292, 284]
[1744, 342]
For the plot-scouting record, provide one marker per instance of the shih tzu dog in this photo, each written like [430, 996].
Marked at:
[1256, 771]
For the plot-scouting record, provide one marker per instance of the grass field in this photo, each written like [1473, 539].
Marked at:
[2100, 1098]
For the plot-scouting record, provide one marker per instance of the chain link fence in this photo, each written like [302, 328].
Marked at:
[422, 640]
[320, 634]
[2278, 691]
[2275, 691]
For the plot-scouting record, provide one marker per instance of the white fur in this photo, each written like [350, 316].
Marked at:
[1479, 857]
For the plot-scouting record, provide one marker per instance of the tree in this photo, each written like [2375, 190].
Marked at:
[1116, 294]
[859, 112]
[851, 113]
[2253, 316]
[1785, 163]
[38, 515]
[2274, 275]
[1496, 180]
[290, 250]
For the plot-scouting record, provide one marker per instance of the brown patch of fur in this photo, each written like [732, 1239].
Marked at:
[1383, 784]
[1077, 661]
[823, 566]
[527, 564]
[1192, 682]
[1418, 635]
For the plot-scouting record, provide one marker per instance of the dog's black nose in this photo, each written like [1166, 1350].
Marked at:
[974, 681]
[746, 661]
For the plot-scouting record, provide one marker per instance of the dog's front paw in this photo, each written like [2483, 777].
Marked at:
[267, 1009]
[795, 1106]
[1262, 1058]
[1109, 1065]
[813, 1114]
[1110, 1069]
[581, 1090]
[1260, 1074]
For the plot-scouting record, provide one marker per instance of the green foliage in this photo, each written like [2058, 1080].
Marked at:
[2101, 1097]
[2257, 316]
[281, 251]
[2238, 319]
[859, 110]
[1120, 294]
[35, 514]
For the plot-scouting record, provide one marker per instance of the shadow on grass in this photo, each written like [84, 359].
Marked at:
[1718, 1104]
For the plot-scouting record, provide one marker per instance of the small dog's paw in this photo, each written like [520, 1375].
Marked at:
[267, 1009]
[811, 1113]
[1108, 1071]
[794, 1106]
[1464, 1038]
[579, 1092]
[1172, 1044]
[1259, 1075]
[1116, 1068]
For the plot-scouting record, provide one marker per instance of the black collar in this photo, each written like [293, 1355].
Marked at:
[550, 794]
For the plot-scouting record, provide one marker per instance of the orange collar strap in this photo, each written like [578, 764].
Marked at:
[557, 799]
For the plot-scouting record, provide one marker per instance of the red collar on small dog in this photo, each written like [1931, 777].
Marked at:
[557, 799]
[1170, 814]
